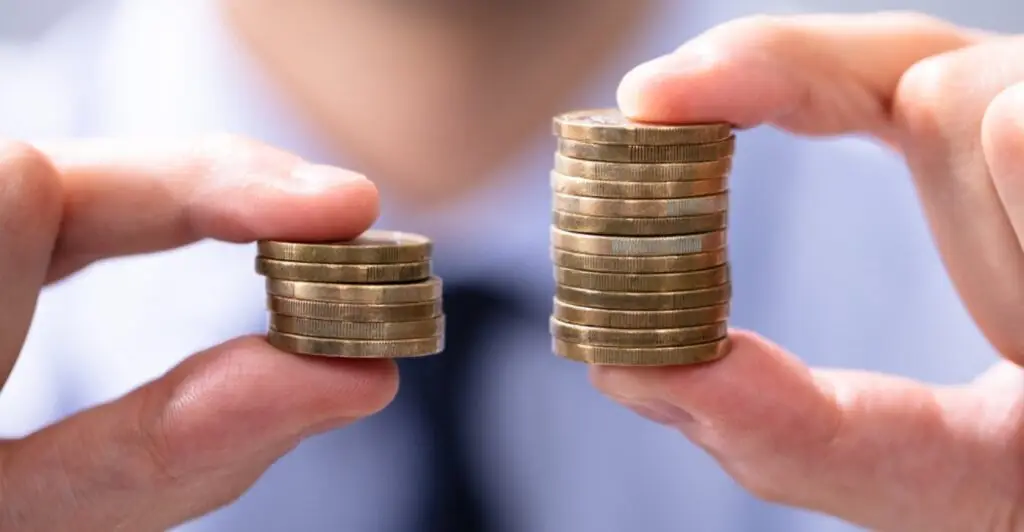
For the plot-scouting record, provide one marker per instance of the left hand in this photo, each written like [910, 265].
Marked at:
[880, 451]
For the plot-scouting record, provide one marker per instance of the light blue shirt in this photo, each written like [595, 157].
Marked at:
[831, 258]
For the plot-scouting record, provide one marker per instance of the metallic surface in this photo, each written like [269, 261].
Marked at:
[646, 172]
[647, 282]
[636, 265]
[638, 319]
[307, 345]
[372, 247]
[699, 297]
[619, 153]
[596, 188]
[642, 356]
[637, 246]
[386, 294]
[609, 126]
[354, 312]
[620, 226]
[607, 337]
[353, 330]
[641, 208]
[344, 273]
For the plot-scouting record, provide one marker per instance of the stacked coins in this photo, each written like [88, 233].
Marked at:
[639, 240]
[370, 297]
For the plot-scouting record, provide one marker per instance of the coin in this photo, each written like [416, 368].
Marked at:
[419, 292]
[646, 282]
[641, 208]
[609, 126]
[578, 186]
[700, 297]
[639, 319]
[637, 246]
[617, 226]
[356, 312]
[648, 172]
[372, 247]
[307, 345]
[350, 330]
[583, 334]
[343, 273]
[618, 153]
[642, 356]
[631, 265]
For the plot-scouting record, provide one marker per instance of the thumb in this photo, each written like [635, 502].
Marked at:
[186, 443]
[882, 452]
[812, 74]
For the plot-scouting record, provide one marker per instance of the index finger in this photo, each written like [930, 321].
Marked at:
[126, 197]
[810, 74]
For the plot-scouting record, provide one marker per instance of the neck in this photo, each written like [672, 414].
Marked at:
[430, 97]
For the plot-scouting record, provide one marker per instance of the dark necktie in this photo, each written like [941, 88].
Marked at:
[434, 389]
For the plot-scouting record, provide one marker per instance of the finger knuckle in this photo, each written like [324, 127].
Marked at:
[29, 180]
[162, 462]
[927, 94]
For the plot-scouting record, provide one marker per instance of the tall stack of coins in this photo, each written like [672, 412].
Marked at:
[639, 240]
[370, 297]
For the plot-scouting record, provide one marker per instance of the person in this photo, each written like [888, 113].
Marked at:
[830, 258]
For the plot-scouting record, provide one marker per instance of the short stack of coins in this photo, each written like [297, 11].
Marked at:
[639, 240]
[370, 297]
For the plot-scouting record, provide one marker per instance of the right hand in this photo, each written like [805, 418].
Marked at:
[194, 439]
[880, 451]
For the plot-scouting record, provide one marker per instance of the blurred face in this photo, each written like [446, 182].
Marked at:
[432, 96]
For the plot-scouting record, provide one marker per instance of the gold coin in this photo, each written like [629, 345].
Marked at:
[639, 319]
[351, 330]
[386, 294]
[583, 334]
[641, 208]
[332, 347]
[372, 247]
[699, 297]
[618, 153]
[645, 282]
[623, 264]
[637, 246]
[344, 273]
[357, 312]
[617, 226]
[609, 126]
[594, 188]
[649, 172]
[642, 356]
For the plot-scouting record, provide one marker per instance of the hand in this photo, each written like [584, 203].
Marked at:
[194, 439]
[879, 451]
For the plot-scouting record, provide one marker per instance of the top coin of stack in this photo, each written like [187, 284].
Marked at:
[370, 297]
[639, 240]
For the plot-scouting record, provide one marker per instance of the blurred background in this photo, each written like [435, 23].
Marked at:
[23, 19]
[535, 427]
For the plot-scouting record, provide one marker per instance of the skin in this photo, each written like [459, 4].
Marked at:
[392, 84]
[884, 452]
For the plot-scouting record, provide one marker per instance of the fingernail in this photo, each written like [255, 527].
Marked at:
[663, 413]
[315, 178]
